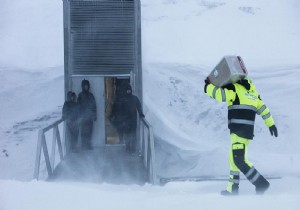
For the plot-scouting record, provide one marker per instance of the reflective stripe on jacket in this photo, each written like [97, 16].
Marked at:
[243, 105]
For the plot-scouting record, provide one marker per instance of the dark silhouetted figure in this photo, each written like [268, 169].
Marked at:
[88, 114]
[130, 106]
[118, 113]
[70, 113]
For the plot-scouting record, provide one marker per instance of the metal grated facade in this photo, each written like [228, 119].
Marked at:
[102, 37]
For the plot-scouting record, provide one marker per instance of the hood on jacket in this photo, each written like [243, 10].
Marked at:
[73, 95]
[128, 88]
[69, 95]
[247, 84]
[85, 83]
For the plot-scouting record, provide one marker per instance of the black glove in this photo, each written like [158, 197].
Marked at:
[245, 83]
[142, 116]
[273, 130]
[207, 82]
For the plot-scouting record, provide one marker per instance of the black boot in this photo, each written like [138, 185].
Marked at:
[234, 191]
[262, 185]
[227, 193]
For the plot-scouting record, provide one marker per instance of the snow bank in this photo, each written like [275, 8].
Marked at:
[196, 125]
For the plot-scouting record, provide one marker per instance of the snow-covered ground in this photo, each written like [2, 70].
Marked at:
[182, 41]
[284, 194]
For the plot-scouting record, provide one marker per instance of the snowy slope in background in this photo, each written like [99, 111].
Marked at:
[31, 34]
[25, 93]
[263, 32]
[182, 41]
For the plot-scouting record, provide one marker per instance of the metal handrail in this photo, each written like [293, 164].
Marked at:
[42, 145]
[147, 150]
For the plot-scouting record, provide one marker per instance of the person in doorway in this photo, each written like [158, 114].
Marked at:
[70, 114]
[117, 116]
[130, 106]
[244, 103]
[88, 114]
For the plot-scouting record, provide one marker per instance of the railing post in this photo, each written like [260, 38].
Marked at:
[148, 161]
[38, 155]
[59, 145]
[67, 143]
[53, 147]
[148, 152]
[143, 140]
[154, 178]
[46, 155]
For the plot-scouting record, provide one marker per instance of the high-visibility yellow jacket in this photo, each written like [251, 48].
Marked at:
[244, 103]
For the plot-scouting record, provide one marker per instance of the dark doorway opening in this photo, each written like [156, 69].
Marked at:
[114, 91]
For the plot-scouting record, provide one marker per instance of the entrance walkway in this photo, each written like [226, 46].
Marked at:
[109, 164]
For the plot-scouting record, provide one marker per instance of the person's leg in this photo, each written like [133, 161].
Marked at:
[120, 134]
[239, 151]
[84, 131]
[133, 140]
[234, 177]
[73, 136]
[126, 136]
[75, 128]
[70, 130]
[127, 140]
[76, 134]
[89, 134]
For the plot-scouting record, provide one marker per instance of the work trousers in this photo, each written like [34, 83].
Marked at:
[86, 133]
[130, 140]
[239, 163]
[73, 128]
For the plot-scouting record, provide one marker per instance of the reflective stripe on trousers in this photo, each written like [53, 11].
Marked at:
[252, 175]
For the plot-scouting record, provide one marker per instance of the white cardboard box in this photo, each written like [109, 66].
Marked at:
[229, 70]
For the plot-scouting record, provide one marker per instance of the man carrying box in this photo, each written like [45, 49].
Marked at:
[244, 103]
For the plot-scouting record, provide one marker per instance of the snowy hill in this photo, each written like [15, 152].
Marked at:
[263, 32]
[182, 41]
